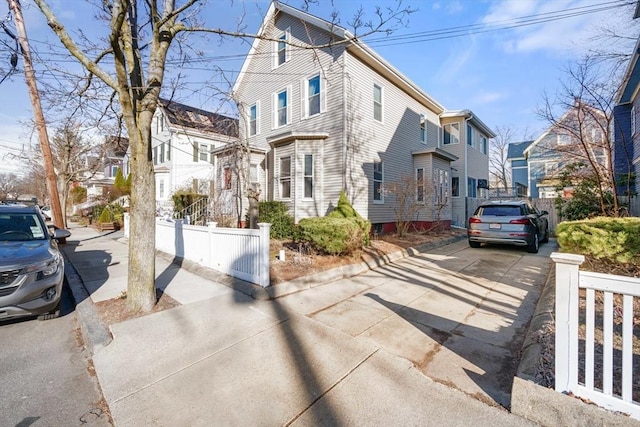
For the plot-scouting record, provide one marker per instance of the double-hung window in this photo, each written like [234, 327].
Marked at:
[227, 178]
[281, 49]
[420, 185]
[313, 96]
[472, 187]
[470, 135]
[377, 102]
[254, 177]
[285, 177]
[455, 186]
[441, 181]
[254, 128]
[451, 133]
[423, 129]
[204, 152]
[281, 108]
[378, 182]
[308, 176]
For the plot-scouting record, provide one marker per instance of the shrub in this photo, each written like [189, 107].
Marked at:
[111, 213]
[334, 236]
[613, 239]
[276, 213]
[344, 209]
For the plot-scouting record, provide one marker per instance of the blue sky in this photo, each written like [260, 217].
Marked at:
[497, 70]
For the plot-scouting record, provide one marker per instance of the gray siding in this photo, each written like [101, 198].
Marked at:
[391, 141]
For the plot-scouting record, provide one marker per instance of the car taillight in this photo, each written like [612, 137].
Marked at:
[474, 220]
[519, 221]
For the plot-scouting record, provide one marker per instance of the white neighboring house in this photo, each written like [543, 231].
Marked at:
[100, 173]
[183, 138]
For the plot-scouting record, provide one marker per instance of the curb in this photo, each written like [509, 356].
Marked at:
[94, 333]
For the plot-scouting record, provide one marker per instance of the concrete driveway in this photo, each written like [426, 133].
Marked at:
[458, 314]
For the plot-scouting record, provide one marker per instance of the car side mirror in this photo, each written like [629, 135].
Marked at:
[60, 233]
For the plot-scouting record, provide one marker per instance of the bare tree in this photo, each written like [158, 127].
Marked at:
[8, 185]
[70, 152]
[140, 40]
[583, 112]
[499, 167]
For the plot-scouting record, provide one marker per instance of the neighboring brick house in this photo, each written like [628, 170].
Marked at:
[626, 123]
[341, 117]
[538, 164]
[183, 138]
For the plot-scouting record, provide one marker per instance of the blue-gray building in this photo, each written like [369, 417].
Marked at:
[627, 137]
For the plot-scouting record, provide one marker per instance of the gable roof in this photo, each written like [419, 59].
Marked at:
[554, 127]
[468, 114]
[631, 81]
[355, 46]
[189, 117]
[516, 150]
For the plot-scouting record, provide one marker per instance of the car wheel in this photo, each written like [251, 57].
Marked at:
[534, 246]
[546, 236]
[474, 244]
[50, 315]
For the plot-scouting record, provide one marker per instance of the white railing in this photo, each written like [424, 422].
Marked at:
[569, 281]
[241, 253]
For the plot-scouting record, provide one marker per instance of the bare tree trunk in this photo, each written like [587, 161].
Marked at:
[141, 281]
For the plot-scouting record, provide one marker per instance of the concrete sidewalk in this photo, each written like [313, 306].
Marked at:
[223, 358]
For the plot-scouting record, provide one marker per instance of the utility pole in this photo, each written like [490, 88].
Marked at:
[38, 116]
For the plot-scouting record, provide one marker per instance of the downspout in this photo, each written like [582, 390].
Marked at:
[345, 136]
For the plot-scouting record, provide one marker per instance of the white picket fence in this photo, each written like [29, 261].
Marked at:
[569, 281]
[241, 253]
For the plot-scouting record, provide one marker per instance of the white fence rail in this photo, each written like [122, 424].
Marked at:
[569, 281]
[241, 253]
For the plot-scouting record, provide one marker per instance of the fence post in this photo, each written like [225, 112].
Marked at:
[263, 257]
[567, 286]
[210, 259]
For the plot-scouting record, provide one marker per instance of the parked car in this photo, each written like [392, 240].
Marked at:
[509, 222]
[46, 212]
[31, 265]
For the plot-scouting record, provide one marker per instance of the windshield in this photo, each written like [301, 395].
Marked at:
[21, 227]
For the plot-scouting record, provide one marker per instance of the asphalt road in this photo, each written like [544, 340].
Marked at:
[44, 375]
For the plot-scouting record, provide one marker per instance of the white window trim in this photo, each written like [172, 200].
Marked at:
[381, 104]
[274, 103]
[633, 120]
[381, 201]
[423, 129]
[304, 176]
[417, 198]
[304, 91]
[287, 48]
[257, 105]
[280, 178]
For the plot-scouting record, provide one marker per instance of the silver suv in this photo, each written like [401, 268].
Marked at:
[509, 222]
[31, 266]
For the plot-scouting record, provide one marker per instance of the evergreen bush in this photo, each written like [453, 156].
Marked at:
[276, 213]
[331, 235]
[344, 209]
[613, 239]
